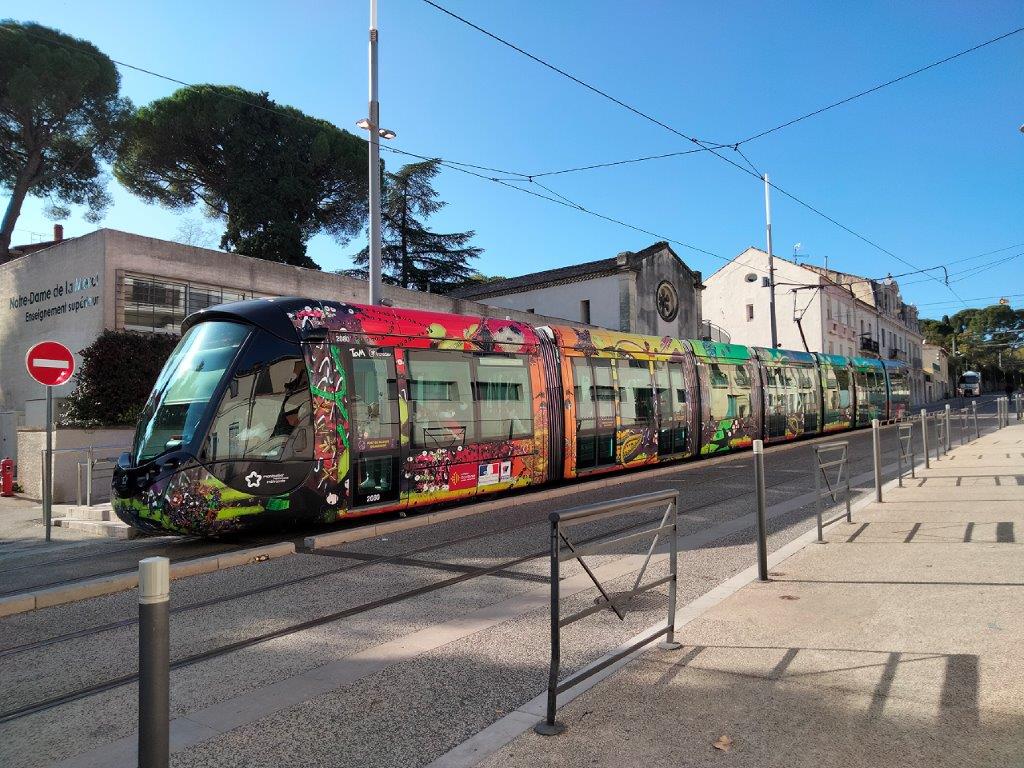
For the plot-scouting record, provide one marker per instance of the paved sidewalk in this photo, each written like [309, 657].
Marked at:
[897, 643]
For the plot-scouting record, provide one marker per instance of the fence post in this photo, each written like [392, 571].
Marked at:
[154, 663]
[974, 410]
[670, 643]
[817, 493]
[946, 437]
[549, 726]
[924, 438]
[899, 458]
[846, 469]
[963, 426]
[876, 447]
[762, 535]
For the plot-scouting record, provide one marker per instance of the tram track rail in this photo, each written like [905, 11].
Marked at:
[26, 710]
[364, 560]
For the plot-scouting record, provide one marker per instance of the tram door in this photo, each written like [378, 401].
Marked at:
[673, 409]
[595, 412]
[375, 426]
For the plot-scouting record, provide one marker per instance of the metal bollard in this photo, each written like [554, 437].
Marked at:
[876, 447]
[154, 663]
[946, 445]
[974, 410]
[762, 534]
[963, 426]
[924, 438]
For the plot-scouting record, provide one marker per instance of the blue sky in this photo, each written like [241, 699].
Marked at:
[931, 168]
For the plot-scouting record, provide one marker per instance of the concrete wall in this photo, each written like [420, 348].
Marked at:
[563, 301]
[32, 441]
[69, 282]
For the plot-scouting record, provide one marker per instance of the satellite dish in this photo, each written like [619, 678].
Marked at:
[750, 277]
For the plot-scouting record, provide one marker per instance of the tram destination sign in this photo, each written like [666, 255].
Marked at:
[50, 363]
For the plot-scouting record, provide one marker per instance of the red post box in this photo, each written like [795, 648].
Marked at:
[6, 477]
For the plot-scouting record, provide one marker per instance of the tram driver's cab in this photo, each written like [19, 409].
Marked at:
[233, 405]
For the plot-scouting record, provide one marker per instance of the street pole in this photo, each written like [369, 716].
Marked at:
[374, 169]
[48, 466]
[771, 260]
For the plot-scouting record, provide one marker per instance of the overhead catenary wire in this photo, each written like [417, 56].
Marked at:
[705, 145]
[515, 177]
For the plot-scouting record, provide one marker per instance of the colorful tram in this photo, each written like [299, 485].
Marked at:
[290, 410]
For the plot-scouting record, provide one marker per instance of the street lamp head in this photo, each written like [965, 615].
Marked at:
[365, 124]
[387, 134]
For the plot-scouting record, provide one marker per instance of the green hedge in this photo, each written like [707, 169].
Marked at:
[115, 378]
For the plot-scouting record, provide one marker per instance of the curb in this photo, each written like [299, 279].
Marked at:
[108, 585]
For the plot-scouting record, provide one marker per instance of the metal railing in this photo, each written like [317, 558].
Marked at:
[828, 456]
[563, 549]
[92, 466]
[90, 453]
[905, 455]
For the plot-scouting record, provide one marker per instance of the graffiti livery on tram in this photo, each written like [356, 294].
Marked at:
[292, 410]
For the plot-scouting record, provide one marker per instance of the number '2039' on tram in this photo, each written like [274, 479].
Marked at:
[293, 410]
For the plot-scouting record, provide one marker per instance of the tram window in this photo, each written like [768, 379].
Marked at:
[265, 414]
[843, 381]
[502, 390]
[731, 399]
[375, 397]
[182, 393]
[671, 386]
[583, 388]
[605, 391]
[441, 399]
[375, 480]
[719, 378]
[636, 399]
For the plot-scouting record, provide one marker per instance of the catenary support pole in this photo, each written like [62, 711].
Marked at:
[374, 167]
[762, 533]
[154, 662]
[924, 438]
[876, 448]
[771, 261]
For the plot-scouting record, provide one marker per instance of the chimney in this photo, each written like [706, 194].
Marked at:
[58, 232]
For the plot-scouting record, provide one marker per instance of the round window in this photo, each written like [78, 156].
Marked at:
[668, 301]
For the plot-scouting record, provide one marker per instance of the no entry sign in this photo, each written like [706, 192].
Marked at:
[50, 363]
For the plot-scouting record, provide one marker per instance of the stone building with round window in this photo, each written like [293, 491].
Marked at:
[648, 292]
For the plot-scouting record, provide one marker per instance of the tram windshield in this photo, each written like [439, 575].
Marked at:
[185, 386]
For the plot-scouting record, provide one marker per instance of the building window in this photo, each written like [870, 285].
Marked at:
[831, 351]
[828, 308]
[585, 311]
[750, 312]
[155, 305]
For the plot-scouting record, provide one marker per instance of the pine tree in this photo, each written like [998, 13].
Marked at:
[412, 255]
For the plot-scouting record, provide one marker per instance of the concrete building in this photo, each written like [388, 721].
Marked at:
[70, 290]
[935, 364]
[649, 292]
[817, 310]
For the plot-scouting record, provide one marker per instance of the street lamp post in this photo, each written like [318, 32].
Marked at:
[771, 261]
[374, 134]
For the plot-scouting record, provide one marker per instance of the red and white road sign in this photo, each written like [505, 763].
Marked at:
[50, 363]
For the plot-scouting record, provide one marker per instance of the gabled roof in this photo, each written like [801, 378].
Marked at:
[575, 273]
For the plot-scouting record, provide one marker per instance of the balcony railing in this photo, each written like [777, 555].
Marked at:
[868, 345]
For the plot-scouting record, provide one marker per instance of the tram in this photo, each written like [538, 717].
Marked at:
[291, 410]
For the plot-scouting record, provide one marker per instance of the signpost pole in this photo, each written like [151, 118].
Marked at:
[48, 465]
